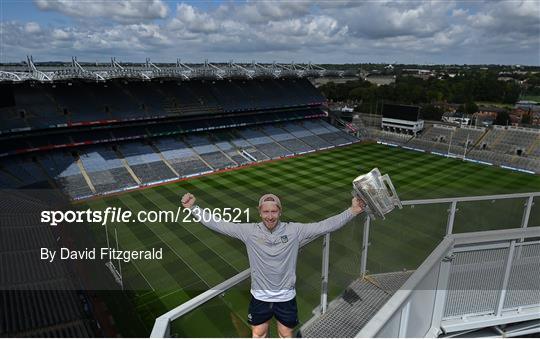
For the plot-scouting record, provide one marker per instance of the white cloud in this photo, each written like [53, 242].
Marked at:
[192, 20]
[65, 42]
[459, 13]
[60, 34]
[32, 27]
[341, 31]
[118, 10]
[377, 20]
[265, 11]
[508, 16]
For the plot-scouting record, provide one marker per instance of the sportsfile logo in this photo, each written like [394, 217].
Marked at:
[121, 215]
[108, 215]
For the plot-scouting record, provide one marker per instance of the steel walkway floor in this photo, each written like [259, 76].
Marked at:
[347, 314]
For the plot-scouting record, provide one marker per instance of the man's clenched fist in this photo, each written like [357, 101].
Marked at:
[188, 200]
[358, 205]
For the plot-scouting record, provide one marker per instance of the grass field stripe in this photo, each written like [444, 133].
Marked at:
[129, 230]
[126, 230]
[163, 296]
[217, 253]
[176, 253]
[133, 263]
[170, 229]
[144, 277]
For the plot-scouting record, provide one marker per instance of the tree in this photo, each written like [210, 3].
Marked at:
[503, 118]
[465, 88]
[431, 112]
[511, 93]
[526, 119]
[471, 108]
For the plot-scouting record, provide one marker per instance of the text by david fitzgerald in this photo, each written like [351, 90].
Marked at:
[103, 253]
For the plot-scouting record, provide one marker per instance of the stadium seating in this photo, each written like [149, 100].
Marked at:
[126, 133]
[116, 102]
[10, 119]
[286, 139]
[315, 142]
[39, 108]
[263, 143]
[45, 105]
[145, 163]
[534, 151]
[444, 139]
[514, 147]
[222, 141]
[394, 138]
[87, 134]
[209, 152]
[510, 140]
[62, 167]
[509, 146]
[23, 172]
[38, 299]
[6, 180]
[279, 136]
[105, 169]
[333, 135]
[181, 157]
[433, 138]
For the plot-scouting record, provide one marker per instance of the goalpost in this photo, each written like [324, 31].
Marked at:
[116, 273]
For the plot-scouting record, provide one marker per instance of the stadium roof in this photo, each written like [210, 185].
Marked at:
[58, 71]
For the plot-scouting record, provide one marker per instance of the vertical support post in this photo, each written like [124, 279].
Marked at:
[451, 217]
[506, 277]
[450, 144]
[325, 268]
[365, 244]
[404, 320]
[525, 222]
[440, 294]
[527, 212]
[168, 331]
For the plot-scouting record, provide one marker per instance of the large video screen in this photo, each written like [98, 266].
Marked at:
[401, 112]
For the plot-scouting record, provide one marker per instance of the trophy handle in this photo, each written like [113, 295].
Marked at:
[392, 190]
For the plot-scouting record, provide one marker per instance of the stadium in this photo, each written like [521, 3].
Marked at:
[461, 258]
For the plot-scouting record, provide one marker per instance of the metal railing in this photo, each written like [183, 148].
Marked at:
[420, 307]
[431, 267]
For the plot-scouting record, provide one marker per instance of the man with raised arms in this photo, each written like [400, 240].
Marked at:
[272, 247]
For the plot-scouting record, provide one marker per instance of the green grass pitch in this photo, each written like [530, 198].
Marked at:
[312, 187]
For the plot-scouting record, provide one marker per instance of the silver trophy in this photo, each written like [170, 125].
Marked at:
[378, 192]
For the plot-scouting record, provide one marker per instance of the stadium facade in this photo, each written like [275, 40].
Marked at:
[123, 128]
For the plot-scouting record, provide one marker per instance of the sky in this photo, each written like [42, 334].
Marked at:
[380, 31]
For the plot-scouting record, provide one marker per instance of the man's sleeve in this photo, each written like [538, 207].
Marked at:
[312, 230]
[235, 230]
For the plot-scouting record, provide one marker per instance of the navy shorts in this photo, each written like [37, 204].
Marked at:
[285, 312]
